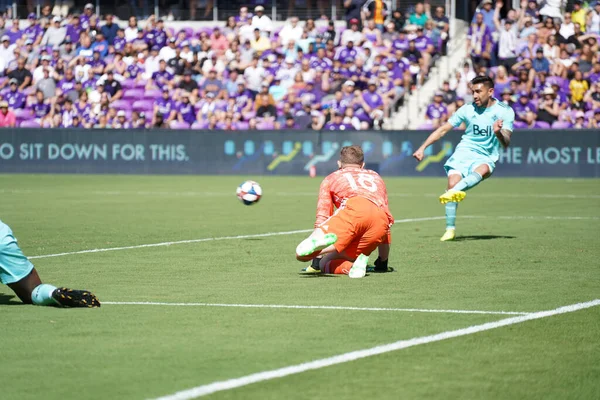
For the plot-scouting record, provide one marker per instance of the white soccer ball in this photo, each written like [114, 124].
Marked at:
[249, 192]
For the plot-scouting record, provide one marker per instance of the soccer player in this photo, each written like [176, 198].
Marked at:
[489, 124]
[361, 224]
[18, 273]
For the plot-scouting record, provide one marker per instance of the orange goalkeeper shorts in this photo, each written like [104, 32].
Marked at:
[360, 226]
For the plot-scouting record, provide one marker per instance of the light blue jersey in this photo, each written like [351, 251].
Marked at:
[479, 136]
[14, 266]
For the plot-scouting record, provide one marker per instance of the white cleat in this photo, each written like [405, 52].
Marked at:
[359, 268]
[312, 244]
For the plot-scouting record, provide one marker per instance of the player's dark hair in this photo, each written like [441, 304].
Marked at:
[352, 155]
[484, 80]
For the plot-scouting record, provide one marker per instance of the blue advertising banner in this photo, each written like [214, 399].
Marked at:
[532, 153]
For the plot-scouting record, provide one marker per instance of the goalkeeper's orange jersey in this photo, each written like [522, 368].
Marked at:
[350, 182]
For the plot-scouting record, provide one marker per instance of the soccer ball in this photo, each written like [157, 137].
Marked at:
[249, 192]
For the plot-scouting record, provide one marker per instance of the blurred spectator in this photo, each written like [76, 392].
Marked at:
[540, 63]
[443, 26]
[448, 95]
[578, 15]
[109, 29]
[260, 43]
[21, 74]
[265, 107]
[352, 34]
[593, 19]
[479, 41]
[291, 31]
[551, 9]
[87, 16]
[353, 9]
[398, 19]
[7, 51]
[523, 107]
[567, 28]
[578, 87]
[437, 112]
[219, 43]
[55, 34]
[548, 108]
[7, 116]
[507, 42]
[376, 11]
[46, 84]
[261, 21]
[579, 120]
[595, 120]
[419, 17]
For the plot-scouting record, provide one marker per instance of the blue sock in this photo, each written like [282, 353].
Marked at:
[42, 295]
[468, 182]
[451, 215]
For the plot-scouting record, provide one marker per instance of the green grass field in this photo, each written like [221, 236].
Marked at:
[525, 245]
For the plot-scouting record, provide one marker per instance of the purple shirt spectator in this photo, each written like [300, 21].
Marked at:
[84, 21]
[40, 110]
[135, 69]
[346, 54]
[479, 36]
[242, 99]
[160, 37]
[400, 44]
[186, 109]
[162, 78]
[522, 108]
[373, 100]
[67, 118]
[33, 32]
[119, 43]
[422, 42]
[14, 36]
[325, 63]
[97, 63]
[165, 106]
[15, 99]
[397, 71]
[84, 111]
[73, 32]
[66, 84]
[436, 111]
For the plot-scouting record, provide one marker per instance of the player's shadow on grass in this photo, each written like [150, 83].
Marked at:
[305, 275]
[482, 237]
[6, 300]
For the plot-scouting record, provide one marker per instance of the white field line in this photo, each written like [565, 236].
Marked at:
[285, 194]
[269, 234]
[302, 307]
[219, 386]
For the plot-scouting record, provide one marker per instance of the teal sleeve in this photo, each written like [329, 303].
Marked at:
[509, 120]
[458, 117]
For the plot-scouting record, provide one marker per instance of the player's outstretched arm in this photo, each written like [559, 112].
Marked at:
[503, 135]
[434, 137]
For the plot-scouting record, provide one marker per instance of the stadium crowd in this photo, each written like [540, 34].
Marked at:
[87, 71]
[545, 64]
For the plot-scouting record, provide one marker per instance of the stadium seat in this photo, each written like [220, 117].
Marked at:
[179, 125]
[29, 124]
[143, 105]
[561, 125]
[23, 114]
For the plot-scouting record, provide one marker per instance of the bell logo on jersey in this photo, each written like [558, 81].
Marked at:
[482, 132]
